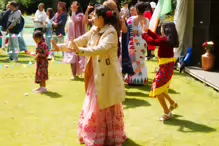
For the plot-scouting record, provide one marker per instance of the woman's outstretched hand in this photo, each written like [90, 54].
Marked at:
[55, 46]
[75, 47]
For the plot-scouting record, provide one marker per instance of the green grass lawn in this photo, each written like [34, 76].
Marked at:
[51, 119]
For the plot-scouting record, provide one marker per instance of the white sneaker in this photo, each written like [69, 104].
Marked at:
[50, 57]
[73, 78]
[42, 90]
[37, 89]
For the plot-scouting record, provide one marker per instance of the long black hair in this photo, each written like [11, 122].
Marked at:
[110, 17]
[170, 32]
[51, 13]
[38, 34]
[141, 8]
[148, 7]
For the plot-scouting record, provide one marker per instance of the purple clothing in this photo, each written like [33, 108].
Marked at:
[76, 28]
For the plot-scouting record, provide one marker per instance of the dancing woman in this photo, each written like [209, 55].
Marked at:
[102, 117]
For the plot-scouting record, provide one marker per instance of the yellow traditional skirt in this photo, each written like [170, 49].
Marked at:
[163, 77]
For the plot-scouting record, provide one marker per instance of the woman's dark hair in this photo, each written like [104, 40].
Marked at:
[38, 34]
[110, 17]
[62, 5]
[51, 13]
[79, 7]
[140, 7]
[170, 32]
[148, 7]
[14, 4]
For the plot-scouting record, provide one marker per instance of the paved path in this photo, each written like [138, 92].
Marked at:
[209, 78]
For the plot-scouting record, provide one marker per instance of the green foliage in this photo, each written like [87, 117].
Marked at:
[25, 2]
[2, 4]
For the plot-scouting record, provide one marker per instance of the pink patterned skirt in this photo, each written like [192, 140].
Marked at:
[100, 127]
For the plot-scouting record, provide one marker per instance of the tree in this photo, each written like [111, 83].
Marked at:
[2, 4]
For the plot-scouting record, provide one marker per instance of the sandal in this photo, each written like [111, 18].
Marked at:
[37, 89]
[173, 106]
[166, 117]
[42, 90]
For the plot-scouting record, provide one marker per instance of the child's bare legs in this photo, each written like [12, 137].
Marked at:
[161, 99]
[167, 113]
[42, 87]
[173, 104]
[167, 97]
[43, 84]
[73, 69]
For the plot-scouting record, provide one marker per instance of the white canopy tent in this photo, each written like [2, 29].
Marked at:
[184, 20]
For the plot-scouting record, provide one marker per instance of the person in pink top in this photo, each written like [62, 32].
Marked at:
[76, 28]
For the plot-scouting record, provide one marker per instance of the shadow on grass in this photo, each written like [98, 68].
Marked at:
[24, 56]
[145, 88]
[24, 62]
[138, 94]
[134, 102]
[5, 60]
[2, 56]
[78, 79]
[187, 126]
[140, 87]
[18, 62]
[53, 94]
[177, 73]
[130, 142]
[171, 91]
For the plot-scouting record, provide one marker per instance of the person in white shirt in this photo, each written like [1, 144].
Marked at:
[40, 18]
[153, 5]
[125, 10]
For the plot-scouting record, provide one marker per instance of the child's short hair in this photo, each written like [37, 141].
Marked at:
[38, 34]
[14, 4]
[41, 4]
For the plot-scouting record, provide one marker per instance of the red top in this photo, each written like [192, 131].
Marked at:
[164, 51]
[148, 15]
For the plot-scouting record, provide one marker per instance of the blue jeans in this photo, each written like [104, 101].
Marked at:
[21, 42]
[48, 42]
[13, 47]
[3, 38]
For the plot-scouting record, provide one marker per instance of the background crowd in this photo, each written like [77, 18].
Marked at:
[110, 47]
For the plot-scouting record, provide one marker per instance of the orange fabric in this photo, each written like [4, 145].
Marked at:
[88, 73]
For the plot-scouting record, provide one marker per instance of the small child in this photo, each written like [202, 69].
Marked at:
[166, 43]
[41, 55]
